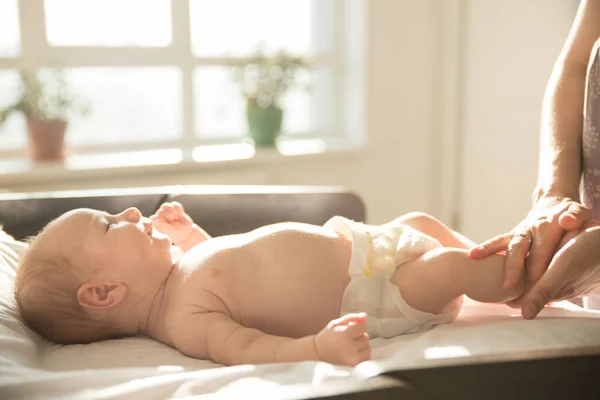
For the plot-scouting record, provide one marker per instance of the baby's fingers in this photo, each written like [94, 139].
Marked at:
[178, 208]
[167, 211]
[359, 318]
[352, 330]
[355, 356]
[364, 355]
[362, 342]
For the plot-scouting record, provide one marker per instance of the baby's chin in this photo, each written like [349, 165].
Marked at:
[160, 237]
[176, 254]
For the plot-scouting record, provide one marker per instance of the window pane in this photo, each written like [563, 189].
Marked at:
[127, 105]
[312, 109]
[237, 27]
[12, 131]
[220, 106]
[9, 28]
[218, 103]
[108, 22]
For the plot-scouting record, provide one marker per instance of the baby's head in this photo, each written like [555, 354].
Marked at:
[86, 274]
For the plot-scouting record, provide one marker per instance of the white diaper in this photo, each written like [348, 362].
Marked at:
[376, 253]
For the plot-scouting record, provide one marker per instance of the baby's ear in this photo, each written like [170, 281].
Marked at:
[95, 294]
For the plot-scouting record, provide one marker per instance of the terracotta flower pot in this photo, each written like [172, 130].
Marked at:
[46, 139]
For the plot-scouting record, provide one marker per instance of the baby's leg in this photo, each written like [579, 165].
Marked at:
[435, 228]
[440, 276]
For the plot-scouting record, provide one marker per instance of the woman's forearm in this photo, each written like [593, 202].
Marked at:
[562, 114]
[561, 129]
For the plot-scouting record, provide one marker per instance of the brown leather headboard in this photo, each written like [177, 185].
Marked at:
[218, 209]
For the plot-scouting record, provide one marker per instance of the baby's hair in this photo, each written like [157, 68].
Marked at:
[46, 294]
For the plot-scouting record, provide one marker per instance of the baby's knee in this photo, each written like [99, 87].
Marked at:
[416, 219]
[448, 256]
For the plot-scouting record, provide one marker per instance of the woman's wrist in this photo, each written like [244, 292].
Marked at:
[554, 194]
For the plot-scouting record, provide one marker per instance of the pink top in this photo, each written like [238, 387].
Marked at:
[591, 136]
[591, 149]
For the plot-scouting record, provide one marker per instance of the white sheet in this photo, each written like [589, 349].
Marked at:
[138, 368]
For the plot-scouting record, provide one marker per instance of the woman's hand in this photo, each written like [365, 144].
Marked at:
[535, 239]
[574, 271]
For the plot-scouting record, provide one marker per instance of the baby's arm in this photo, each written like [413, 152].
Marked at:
[217, 337]
[196, 236]
[433, 280]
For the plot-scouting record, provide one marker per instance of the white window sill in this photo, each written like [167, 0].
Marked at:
[18, 171]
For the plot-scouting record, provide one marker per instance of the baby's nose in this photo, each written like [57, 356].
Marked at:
[132, 215]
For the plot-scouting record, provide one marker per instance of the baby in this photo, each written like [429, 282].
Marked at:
[283, 292]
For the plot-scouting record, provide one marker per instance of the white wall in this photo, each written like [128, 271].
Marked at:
[509, 50]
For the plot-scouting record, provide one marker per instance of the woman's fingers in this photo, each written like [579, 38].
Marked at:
[546, 234]
[574, 271]
[491, 246]
[574, 217]
[516, 254]
[546, 289]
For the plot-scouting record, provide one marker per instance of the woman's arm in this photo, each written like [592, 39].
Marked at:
[562, 114]
[556, 207]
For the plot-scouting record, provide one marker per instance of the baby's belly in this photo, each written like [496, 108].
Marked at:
[295, 284]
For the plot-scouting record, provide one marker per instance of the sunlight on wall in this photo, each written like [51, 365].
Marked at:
[308, 146]
[223, 152]
[126, 159]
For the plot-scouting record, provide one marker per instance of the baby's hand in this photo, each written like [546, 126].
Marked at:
[172, 220]
[344, 341]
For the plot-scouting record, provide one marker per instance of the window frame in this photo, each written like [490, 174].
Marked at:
[345, 59]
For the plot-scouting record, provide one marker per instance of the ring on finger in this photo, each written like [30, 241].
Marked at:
[524, 234]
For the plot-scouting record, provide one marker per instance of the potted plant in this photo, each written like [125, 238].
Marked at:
[264, 80]
[45, 103]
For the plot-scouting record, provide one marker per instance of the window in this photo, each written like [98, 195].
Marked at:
[158, 73]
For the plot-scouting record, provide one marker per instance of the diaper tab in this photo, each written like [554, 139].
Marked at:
[381, 252]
